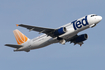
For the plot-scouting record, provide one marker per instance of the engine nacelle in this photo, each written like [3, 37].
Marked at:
[60, 31]
[81, 38]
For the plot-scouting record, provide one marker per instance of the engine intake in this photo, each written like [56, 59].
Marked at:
[81, 38]
[60, 31]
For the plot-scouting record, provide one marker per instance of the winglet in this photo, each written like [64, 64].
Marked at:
[17, 25]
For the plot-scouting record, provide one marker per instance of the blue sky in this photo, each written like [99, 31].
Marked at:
[52, 14]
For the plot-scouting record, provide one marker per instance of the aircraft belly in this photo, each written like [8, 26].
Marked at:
[42, 43]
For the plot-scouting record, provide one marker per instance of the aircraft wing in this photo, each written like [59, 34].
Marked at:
[47, 31]
[13, 46]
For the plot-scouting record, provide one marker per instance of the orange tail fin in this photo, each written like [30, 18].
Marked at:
[20, 38]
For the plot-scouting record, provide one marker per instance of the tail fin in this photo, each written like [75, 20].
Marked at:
[20, 38]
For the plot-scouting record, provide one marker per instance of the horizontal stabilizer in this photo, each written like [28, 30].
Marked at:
[13, 46]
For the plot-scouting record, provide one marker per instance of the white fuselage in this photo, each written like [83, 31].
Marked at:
[72, 29]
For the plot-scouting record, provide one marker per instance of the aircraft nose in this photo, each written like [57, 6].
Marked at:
[100, 18]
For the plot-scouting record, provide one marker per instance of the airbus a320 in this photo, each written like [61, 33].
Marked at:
[63, 34]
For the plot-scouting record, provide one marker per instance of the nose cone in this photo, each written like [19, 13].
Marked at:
[100, 18]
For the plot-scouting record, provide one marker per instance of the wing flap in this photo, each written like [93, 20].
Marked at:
[13, 46]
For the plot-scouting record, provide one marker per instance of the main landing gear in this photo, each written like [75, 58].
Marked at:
[61, 40]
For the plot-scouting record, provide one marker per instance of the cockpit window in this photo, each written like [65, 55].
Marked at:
[93, 15]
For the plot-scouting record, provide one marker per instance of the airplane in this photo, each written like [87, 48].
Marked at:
[63, 34]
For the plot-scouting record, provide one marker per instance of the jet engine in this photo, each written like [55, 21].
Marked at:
[81, 38]
[60, 31]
